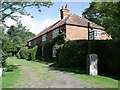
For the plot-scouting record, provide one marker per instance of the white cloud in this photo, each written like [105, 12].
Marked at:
[35, 26]
[10, 22]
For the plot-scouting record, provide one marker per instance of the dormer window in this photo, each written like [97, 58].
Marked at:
[55, 33]
[44, 38]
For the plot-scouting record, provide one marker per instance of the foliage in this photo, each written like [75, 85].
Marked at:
[47, 51]
[108, 53]
[9, 47]
[23, 53]
[2, 59]
[73, 54]
[105, 14]
[33, 53]
[39, 53]
[48, 48]
[19, 34]
[9, 9]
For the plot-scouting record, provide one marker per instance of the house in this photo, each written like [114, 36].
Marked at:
[74, 26]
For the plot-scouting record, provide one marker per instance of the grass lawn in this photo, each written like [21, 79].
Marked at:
[101, 81]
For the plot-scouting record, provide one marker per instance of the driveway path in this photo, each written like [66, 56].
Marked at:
[59, 80]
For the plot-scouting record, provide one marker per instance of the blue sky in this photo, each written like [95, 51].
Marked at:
[54, 10]
[48, 16]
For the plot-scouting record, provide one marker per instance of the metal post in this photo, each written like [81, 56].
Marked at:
[88, 38]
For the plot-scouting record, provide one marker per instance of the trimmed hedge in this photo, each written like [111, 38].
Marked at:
[47, 52]
[73, 54]
[39, 53]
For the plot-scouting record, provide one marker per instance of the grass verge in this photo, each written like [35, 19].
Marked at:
[10, 78]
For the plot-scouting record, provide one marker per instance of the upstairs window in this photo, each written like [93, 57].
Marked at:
[97, 33]
[35, 41]
[55, 33]
[44, 38]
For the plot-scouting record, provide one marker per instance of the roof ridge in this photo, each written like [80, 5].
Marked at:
[69, 18]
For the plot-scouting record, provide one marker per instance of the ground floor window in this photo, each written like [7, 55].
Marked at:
[54, 51]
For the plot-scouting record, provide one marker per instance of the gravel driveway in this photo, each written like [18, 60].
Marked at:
[60, 80]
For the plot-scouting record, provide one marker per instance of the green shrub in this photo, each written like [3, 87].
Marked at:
[73, 54]
[18, 55]
[39, 53]
[32, 53]
[47, 51]
[3, 57]
[23, 53]
[108, 53]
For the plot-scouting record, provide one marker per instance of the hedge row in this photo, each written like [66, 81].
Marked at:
[29, 54]
[73, 54]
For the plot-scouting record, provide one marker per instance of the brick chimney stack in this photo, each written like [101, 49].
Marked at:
[64, 12]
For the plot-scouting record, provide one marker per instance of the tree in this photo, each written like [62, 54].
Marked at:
[8, 9]
[105, 14]
[19, 34]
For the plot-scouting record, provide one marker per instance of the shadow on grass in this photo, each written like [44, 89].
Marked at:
[69, 70]
[10, 68]
[80, 71]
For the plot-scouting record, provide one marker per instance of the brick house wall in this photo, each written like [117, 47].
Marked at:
[78, 33]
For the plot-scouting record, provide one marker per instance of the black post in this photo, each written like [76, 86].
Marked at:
[88, 38]
[87, 58]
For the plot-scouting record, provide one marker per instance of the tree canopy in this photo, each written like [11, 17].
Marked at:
[8, 9]
[105, 14]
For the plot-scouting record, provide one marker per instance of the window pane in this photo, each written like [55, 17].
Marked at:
[55, 33]
[44, 38]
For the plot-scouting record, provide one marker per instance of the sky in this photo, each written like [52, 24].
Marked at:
[48, 16]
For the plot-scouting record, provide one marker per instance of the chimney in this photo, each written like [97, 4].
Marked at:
[64, 12]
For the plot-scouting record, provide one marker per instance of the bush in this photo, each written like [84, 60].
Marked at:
[73, 54]
[2, 59]
[108, 53]
[23, 53]
[47, 52]
[32, 53]
[39, 53]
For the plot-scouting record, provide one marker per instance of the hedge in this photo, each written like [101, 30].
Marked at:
[23, 53]
[47, 52]
[32, 53]
[73, 54]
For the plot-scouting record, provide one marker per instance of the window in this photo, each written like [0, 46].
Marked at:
[55, 33]
[97, 33]
[29, 43]
[44, 38]
[35, 42]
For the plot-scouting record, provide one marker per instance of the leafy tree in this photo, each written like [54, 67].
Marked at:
[19, 34]
[105, 14]
[9, 9]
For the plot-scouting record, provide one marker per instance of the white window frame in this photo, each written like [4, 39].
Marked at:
[97, 33]
[44, 38]
[29, 43]
[55, 33]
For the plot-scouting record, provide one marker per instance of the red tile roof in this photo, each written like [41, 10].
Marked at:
[71, 19]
